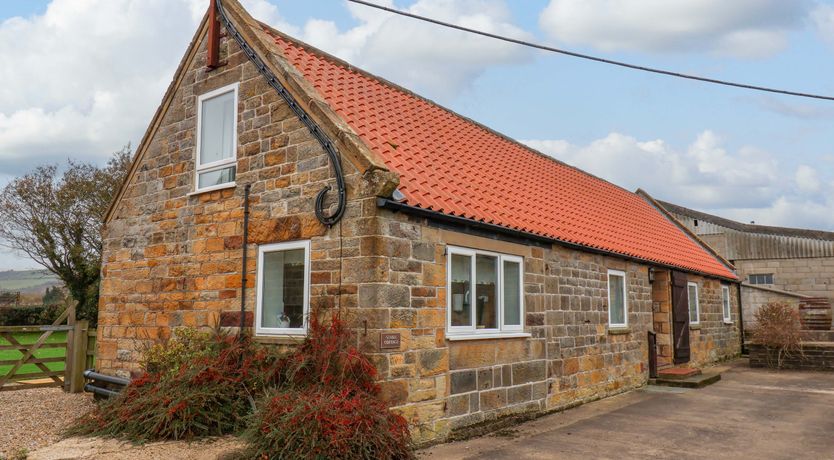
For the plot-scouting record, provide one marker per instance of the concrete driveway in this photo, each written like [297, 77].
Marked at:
[750, 413]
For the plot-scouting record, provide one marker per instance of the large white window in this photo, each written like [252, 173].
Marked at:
[283, 288]
[217, 138]
[725, 303]
[694, 308]
[485, 294]
[617, 299]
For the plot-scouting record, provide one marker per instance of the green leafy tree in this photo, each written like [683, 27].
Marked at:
[53, 296]
[55, 217]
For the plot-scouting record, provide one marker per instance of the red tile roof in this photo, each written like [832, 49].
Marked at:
[450, 164]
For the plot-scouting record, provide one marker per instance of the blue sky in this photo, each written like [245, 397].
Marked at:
[87, 76]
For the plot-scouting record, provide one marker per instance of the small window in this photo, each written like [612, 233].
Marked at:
[485, 294]
[217, 138]
[761, 278]
[283, 296]
[694, 308]
[617, 299]
[725, 297]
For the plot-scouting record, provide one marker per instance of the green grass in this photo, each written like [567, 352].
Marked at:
[29, 338]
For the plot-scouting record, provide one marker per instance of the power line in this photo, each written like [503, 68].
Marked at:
[593, 58]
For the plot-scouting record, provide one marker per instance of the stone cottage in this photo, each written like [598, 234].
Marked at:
[484, 278]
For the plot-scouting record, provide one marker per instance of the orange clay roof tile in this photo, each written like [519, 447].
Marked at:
[453, 165]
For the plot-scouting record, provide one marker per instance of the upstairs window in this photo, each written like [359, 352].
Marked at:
[725, 302]
[617, 303]
[485, 292]
[761, 278]
[694, 308]
[217, 138]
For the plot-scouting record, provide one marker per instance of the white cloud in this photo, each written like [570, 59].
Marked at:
[823, 19]
[747, 184]
[421, 56]
[88, 75]
[744, 28]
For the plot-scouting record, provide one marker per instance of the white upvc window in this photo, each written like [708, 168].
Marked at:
[694, 307]
[283, 302]
[485, 294]
[216, 162]
[725, 303]
[617, 299]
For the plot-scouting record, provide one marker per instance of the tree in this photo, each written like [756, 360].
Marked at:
[55, 218]
[53, 296]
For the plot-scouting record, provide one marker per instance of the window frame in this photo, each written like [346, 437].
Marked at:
[726, 310]
[621, 274]
[219, 164]
[760, 276]
[471, 331]
[278, 247]
[697, 304]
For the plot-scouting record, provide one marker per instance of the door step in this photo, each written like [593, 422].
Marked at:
[678, 373]
[696, 380]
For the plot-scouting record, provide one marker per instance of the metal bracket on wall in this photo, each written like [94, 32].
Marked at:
[314, 129]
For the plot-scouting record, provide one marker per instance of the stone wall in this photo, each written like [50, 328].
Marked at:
[173, 258]
[815, 356]
[753, 297]
[714, 340]
[812, 277]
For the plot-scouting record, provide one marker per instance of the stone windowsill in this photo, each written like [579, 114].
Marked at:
[619, 330]
[212, 189]
[496, 335]
[729, 323]
[279, 339]
[695, 327]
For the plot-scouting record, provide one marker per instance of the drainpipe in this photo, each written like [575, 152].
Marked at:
[244, 248]
[741, 321]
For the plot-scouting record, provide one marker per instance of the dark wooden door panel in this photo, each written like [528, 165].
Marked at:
[680, 317]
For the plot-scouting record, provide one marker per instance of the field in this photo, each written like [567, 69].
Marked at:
[32, 337]
[27, 280]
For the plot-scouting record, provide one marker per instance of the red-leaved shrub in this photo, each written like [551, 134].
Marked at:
[328, 359]
[323, 424]
[327, 404]
[209, 395]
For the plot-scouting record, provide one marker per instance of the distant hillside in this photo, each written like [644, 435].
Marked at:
[28, 281]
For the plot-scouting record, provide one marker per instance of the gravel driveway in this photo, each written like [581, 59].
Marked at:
[34, 418]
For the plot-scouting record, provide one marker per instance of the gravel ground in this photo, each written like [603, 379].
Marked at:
[30, 419]
[111, 449]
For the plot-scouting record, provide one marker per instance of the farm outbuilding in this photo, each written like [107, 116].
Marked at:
[484, 278]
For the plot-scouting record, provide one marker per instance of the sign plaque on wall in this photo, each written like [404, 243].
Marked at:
[388, 341]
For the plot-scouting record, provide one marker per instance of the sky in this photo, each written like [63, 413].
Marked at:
[82, 78]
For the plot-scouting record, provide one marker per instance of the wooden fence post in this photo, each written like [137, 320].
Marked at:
[68, 370]
[77, 357]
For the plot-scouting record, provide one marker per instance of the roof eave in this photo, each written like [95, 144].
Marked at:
[397, 206]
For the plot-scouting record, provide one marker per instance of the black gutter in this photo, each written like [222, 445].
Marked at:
[245, 247]
[467, 223]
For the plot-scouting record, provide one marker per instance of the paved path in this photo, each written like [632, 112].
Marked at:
[750, 413]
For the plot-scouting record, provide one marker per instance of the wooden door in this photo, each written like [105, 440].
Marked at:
[680, 318]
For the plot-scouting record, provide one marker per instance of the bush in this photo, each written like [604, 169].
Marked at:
[778, 329]
[29, 316]
[327, 405]
[320, 401]
[319, 424]
[327, 359]
[198, 393]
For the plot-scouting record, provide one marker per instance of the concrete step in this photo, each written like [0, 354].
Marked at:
[699, 380]
[678, 373]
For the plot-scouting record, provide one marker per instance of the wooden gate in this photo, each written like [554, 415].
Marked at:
[75, 358]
